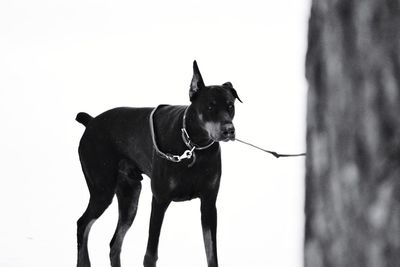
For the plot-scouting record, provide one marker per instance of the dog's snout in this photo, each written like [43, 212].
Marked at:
[228, 131]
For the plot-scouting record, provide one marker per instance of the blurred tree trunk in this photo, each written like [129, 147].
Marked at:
[353, 134]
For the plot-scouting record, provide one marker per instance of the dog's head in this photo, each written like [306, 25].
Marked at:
[214, 105]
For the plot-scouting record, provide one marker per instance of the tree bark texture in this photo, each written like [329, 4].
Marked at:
[353, 134]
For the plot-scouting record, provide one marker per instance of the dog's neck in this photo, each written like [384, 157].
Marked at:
[197, 134]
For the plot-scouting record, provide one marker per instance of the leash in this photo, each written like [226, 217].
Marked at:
[187, 154]
[273, 153]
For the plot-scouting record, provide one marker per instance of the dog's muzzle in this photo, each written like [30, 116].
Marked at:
[220, 131]
[227, 132]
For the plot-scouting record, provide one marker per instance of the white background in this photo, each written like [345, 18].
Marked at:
[61, 57]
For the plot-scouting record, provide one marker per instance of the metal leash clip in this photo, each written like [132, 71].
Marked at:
[187, 154]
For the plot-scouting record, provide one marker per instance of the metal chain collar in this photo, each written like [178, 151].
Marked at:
[187, 154]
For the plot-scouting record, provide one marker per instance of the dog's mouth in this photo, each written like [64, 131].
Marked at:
[220, 137]
[227, 139]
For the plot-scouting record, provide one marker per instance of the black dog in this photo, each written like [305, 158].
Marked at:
[177, 146]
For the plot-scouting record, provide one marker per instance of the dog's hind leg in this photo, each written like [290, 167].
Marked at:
[95, 208]
[128, 192]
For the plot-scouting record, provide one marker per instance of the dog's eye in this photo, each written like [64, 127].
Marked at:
[211, 106]
[230, 106]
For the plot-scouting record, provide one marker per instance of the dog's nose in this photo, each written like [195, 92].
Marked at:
[228, 131]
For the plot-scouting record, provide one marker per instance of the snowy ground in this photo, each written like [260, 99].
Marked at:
[61, 57]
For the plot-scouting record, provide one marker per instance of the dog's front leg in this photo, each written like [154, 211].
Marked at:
[209, 225]
[158, 209]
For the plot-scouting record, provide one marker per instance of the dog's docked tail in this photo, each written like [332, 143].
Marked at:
[83, 118]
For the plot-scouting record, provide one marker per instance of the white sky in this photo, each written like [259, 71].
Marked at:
[61, 57]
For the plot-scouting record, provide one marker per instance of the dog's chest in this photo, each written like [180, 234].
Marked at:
[182, 188]
[179, 182]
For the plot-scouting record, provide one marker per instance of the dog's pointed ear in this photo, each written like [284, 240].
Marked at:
[197, 82]
[233, 91]
[228, 84]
